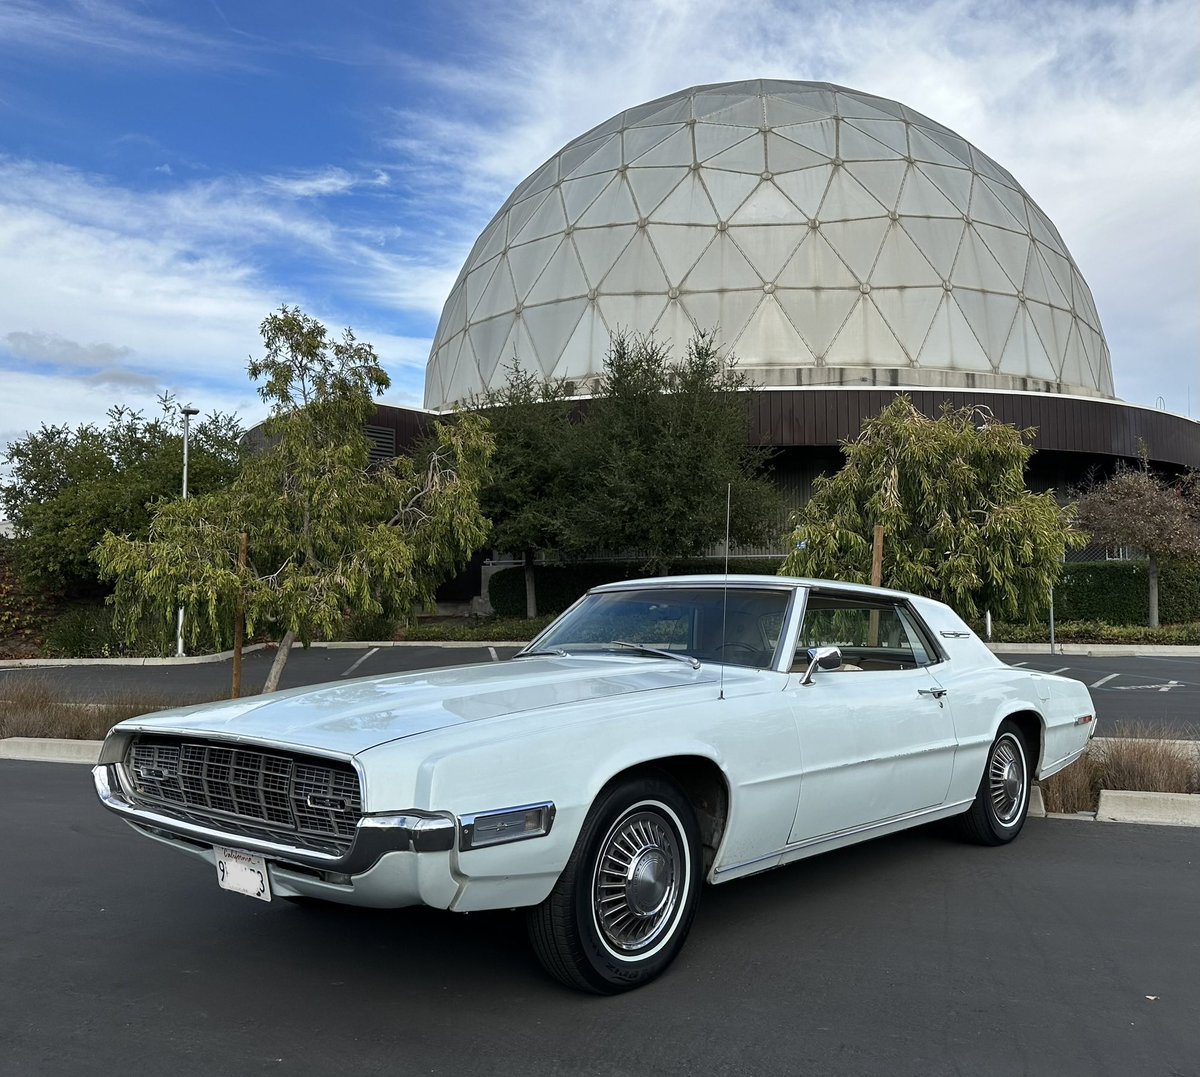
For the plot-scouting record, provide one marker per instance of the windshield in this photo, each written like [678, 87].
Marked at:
[681, 620]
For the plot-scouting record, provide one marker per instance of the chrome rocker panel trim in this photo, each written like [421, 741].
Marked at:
[376, 834]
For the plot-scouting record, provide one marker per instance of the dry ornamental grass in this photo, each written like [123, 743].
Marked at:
[1144, 763]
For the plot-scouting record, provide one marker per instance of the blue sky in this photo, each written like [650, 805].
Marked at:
[170, 173]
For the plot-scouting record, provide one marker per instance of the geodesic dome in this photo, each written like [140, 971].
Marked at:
[829, 236]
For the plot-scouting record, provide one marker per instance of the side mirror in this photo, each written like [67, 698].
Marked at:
[821, 658]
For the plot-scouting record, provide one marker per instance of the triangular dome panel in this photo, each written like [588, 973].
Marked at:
[686, 204]
[920, 198]
[854, 145]
[865, 340]
[548, 220]
[674, 327]
[1053, 329]
[976, 268]
[487, 342]
[815, 265]
[766, 206]
[637, 271]
[818, 314]
[768, 247]
[1025, 355]
[990, 317]
[550, 327]
[527, 262]
[954, 183]
[769, 339]
[951, 344]
[786, 156]
[580, 193]
[628, 313]
[726, 312]
[499, 296]
[901, 265]
[847, 200]
[599, 248]
[820, 136]
[728, 190]
[584, 353]
[651, 185]
[924, 147]
[908, 313]
[675, 151]
[562, 279]
[857, 242]
[1010, 249]
[987, 208]
[749, 155]
[722, 266]
[806, 188]
[637, 140]
[891, 133]
[937, 240]
[712, 139]
[783, 109]
[679, 247]
[882, 179]
[614, 205]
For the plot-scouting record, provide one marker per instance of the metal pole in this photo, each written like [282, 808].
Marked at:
[187, 415]
[1051, 620]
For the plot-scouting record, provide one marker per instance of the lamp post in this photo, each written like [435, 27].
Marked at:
[188, 412]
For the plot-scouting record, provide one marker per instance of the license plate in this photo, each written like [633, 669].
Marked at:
[243, 873]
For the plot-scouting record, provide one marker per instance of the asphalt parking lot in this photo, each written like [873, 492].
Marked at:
[1072, 951]
[1132, 693]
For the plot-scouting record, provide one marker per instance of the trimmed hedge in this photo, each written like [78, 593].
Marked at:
[560, 585]
[1117, 593]
[1097, 632]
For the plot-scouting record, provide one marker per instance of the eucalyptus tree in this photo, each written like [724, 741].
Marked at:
[329, 533]
[959, 523]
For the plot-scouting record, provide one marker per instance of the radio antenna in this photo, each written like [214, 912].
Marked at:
[725, 595]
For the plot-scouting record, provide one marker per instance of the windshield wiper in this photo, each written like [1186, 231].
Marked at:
[556, 652]
[685, 658]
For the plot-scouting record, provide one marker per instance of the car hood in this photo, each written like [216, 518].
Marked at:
[351, 716]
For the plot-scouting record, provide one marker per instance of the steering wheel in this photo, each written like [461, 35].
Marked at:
[751, 652]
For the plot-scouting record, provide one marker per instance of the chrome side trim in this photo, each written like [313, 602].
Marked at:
[467, 826]
[862, 828]
[375, 834]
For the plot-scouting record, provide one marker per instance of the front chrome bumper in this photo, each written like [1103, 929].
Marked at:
[375, 836]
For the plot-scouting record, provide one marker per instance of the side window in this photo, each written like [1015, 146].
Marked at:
[872, 635]
[923, 649]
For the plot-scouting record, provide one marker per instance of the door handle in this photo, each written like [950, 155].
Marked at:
[933, 693]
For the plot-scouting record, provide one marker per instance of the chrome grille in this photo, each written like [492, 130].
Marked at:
[300, 800]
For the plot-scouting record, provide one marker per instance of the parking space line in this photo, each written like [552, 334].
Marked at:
[492, 652]
[360, 661]
[1104, 680]
[1054, 672]
[1018, 663]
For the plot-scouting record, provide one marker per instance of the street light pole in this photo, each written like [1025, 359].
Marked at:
[188, 412]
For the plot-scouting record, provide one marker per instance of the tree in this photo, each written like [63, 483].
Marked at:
[69, 487]
[659, 446]
[533, 472]
[327, 532]
[959, 524]
[1137, 508]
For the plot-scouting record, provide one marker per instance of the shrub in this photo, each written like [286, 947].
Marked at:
[560, 585]
[1096, 632]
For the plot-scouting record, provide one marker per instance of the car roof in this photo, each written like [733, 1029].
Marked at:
[718, 579]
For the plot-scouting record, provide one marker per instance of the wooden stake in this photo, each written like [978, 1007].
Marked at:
[239, 620]
[876, 580]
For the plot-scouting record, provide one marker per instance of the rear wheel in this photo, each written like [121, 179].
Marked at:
[1002, 800]
[625, 901]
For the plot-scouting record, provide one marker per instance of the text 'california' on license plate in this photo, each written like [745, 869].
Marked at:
[242, 872]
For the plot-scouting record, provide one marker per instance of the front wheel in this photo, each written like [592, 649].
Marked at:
[625, 901]
[1002, 800]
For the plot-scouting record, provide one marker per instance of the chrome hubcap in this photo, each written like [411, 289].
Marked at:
[1006, 780]
[637, 884]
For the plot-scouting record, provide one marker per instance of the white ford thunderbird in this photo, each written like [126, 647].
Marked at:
[660, 734]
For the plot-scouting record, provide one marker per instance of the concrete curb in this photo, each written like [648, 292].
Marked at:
[186, 660]
[1113, 650]
[50, 750]
[222, 656]
[1159, 809]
